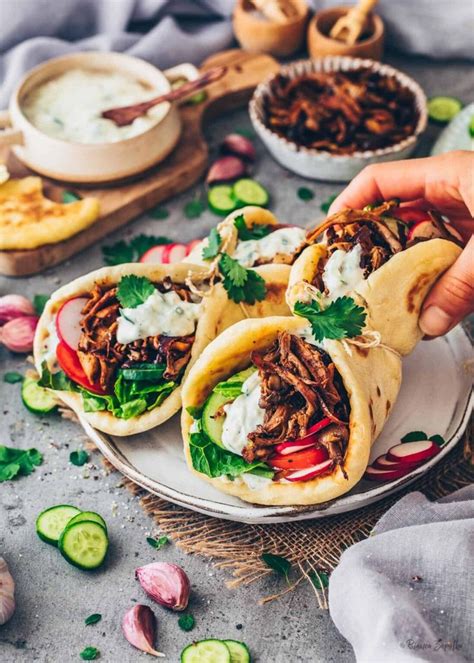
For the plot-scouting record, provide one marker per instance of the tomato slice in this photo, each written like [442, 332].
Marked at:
[410, 214]
[300, 459]
[69, 362]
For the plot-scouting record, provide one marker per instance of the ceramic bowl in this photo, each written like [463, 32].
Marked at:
[101, 162]
[320, 165]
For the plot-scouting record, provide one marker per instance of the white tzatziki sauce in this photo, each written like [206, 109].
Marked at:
[162, 313]
[307, 335]
[242, 416]
[255, 482]
[283, 240]
[343, 272]
[69, 107]
[50, 343]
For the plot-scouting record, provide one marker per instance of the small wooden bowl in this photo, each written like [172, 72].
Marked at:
[258, 35]
[321, 44]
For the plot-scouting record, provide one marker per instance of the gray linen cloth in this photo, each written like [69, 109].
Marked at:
[166, 32]
[407, 592]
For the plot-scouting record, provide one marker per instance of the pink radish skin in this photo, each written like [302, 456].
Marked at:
[310, 472]
[177, 253]
[153, 255]
[383, 463]
[413, 452]
[68, 321]
[373, 474]
[192, 244]
[308, 440]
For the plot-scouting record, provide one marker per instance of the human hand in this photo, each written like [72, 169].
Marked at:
[444, 183]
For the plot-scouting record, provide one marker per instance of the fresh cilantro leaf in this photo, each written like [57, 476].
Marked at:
[214, 461]
[157, 543]
[233, 270]
[121, 251]
[93, 619]
[327, 203]
[18, 462]
[256, 232]
[193, 209]
[134, 290]
[79, 457]
[438, 439]
[39, 302]
[195, 412]
[12, 377]
[278, 563]
[159, 213]
[341, 319]
[241, 284]
[186, 622]
[89, 654]
[69, 197]
[305, 194]
[320, 579]
[414, 436]
[214, 244]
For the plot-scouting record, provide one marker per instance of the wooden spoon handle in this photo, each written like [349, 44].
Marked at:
[364, 7]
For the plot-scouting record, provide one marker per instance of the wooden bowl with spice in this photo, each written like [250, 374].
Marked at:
[270, 26]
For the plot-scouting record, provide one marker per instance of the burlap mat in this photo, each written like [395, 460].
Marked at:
[311, 546]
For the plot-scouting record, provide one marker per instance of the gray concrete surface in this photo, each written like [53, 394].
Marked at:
[54, 598]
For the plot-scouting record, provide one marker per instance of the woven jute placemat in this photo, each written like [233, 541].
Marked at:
[312, 546]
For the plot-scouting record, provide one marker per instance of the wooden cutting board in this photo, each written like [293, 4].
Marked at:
[122, 202]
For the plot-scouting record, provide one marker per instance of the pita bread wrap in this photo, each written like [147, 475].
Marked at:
[282, 249]
[371, 379]
[393, 293]
[215, 314]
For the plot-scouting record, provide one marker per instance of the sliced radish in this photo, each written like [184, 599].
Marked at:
[310, 472]
[318, 426]
[383, 463]
[452, 231]
[424, 230]
[154, 255]
[303, 442]
[192, 244]
[177, 252]
[68, 321]
[166, 253]
[373, 474]
[413, 452]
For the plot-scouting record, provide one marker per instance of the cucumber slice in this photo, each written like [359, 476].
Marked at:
[206, 651]
[221, 200]
[84, 544]
[37, 399]
[91, 516]
[443, 109]
[239, 652]
[51, 522]
[250, 192]
[471, 127]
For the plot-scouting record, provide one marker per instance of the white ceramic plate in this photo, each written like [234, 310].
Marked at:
[456, 135]
[435, 397]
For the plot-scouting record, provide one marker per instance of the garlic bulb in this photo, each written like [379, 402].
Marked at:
[165, 583]
[18, 334]
[139, 628]
[14, 306]
[7, 591]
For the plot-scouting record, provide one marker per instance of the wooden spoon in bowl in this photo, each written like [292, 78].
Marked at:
[127, 114]
[349, 27]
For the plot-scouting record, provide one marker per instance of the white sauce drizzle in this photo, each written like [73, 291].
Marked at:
[50, 343]
[242, 416]
[342, 273]
[283, 240]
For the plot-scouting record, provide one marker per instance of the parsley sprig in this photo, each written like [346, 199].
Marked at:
[134, 290]
[214, 242]
[341, 319]
[242, 284]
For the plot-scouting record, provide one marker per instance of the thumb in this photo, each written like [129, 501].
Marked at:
[452, 297]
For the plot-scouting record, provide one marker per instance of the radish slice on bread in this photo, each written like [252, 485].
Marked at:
[310, 472]
[68, 321]
[413, 452]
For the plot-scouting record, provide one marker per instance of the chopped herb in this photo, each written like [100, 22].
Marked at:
[18, 462]
[195, 412]
[39, 302]
[121, 251]
[193, 209]
[438, 439]
[93, 619]
[241, 284]
[327, 204]
[157, 543]
[214, 244]
[186, 622]
[341, 319]
[305, 194]
[159, 213]
[248, 133]
[78, 458]
[134, 290]
[414, 436]
[89, 654]
[256, 232]
[320, 579]
[278, 563]
[12, 377]
[69, 197]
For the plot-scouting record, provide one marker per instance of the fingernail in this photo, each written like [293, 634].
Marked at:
[435, 322]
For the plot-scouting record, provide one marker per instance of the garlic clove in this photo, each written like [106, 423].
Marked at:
[14, 306]
[139, 628]
[7, 593]
[165, 583]
[225, 169]
[18, 334]
[240, 146]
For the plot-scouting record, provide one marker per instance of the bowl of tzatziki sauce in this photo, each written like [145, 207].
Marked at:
[55, 121]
